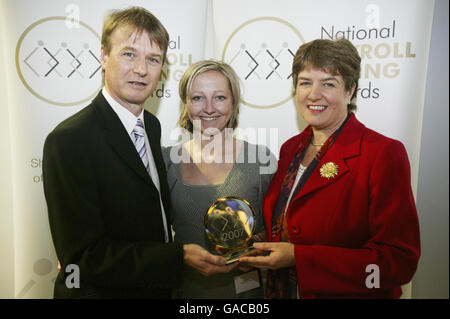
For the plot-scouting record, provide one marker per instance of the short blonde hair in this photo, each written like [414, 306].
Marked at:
[191, 74]
[140, 18]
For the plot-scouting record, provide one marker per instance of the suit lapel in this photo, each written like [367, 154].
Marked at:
[117, 137]
[154, 134]
[347, 145]
[153, 139]
[316, 181]
[123, 146]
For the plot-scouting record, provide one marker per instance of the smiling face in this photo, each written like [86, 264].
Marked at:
[210, 102]
[322, 99]
[132, 67]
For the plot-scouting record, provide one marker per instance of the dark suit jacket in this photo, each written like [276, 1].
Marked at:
[104, 209]
[365, 215]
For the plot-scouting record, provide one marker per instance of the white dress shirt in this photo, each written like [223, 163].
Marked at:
[129, 121]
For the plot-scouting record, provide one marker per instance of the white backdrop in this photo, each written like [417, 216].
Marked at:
[51, 68]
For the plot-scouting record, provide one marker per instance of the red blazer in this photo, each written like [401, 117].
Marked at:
[364, 215]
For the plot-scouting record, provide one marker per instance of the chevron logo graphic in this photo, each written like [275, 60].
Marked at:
[261, 51]
[84, 63]
[269, 62]
[58, 65]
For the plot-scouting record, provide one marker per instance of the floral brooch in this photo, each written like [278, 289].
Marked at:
[329, 170]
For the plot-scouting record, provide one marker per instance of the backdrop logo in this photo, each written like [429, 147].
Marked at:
[59, 64]
[261, 51]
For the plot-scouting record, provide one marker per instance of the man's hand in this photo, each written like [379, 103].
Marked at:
[281, 256]
[206, 263]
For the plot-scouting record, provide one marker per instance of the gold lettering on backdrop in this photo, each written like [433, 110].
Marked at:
[173, 69]
[392, 52]
[379, 59]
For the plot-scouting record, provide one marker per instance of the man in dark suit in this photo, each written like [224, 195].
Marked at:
[105, 181]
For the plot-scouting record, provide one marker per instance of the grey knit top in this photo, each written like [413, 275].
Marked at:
[249, 178]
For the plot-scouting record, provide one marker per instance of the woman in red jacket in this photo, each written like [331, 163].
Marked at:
[340, 214]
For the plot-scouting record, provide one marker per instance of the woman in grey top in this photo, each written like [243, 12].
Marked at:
[212, 163]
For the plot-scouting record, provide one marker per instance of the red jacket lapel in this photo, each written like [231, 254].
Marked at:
[347, 145]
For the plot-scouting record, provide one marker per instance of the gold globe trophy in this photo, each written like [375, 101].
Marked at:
[229, 226]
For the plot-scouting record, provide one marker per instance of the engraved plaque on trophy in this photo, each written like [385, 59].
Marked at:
[229, 227]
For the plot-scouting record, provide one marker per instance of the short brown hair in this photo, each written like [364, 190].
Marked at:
[191, 74]
[338, 57]
[142, 19]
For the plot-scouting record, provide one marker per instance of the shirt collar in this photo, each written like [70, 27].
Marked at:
[127, 118]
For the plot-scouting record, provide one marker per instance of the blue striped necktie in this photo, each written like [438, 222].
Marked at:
[139, 143]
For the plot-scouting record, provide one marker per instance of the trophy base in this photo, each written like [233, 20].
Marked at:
[233, 256]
